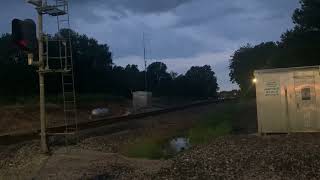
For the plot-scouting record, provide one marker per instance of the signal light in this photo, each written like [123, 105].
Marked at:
[254, 80]
[24, 34]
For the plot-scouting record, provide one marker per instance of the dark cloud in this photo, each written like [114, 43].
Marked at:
[147, 6]
[179, 30]
[239, 21]
[87, 14]
[207, 11]
[122, 8]
[135, 6]
[205, 17]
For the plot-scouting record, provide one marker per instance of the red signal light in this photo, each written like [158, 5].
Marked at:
[24, 34]
[22, 43]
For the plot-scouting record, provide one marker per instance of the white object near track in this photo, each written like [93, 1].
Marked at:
[141, 99]
[100, 112]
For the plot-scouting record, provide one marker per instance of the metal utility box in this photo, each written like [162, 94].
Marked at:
[141, 99]
[288, 99]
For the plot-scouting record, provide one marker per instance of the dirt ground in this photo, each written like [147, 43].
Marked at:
[232, 157]
[238, 156]
[16, 118]
[24, 160]
[20, 118]
[164, 125]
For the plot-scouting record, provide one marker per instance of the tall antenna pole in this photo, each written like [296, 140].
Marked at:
[145, 63]
[44, 146]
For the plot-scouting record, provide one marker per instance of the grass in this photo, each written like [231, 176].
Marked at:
[201, 135]
[152, 146]
[18, 100]
[149, 148]
[214, 124]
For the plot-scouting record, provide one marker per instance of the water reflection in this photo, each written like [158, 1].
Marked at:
[179, 144]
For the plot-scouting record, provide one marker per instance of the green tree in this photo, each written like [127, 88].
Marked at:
[158, 77]
[91, 61]
[16, 77]
[92, 64]
[200, 82]
[134, 78]
[249, 58]
[95, 72]
[307, 17]
[298, 47]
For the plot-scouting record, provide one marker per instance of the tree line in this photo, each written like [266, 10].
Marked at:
[299, 46]
[95, 72]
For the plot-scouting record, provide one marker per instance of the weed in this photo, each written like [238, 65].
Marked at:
[214, 124]
[145, 148]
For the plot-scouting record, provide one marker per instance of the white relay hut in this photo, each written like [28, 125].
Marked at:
[288, 99]
[141, 99]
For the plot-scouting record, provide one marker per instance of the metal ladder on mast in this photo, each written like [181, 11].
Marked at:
[60, 10]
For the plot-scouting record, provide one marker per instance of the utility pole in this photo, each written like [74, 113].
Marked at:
[44, 146]
[145, 63]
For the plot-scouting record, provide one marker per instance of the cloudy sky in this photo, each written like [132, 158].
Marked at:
[180, 33]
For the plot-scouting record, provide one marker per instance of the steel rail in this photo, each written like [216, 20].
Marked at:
[14, 138]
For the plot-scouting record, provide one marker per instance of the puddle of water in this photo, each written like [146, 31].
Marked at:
[179, 144]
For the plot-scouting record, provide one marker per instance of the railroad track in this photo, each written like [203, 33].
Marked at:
[8, 139]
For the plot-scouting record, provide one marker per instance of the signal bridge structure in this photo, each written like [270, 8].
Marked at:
[55, 56]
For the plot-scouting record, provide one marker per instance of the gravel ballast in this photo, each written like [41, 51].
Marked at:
[21, 161]
[293, 156]
[250, 157]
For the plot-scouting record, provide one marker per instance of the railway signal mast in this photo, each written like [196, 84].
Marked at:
[61, 62]
[145, 62]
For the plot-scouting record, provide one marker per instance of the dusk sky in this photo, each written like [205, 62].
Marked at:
[180, 33]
